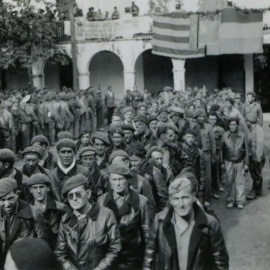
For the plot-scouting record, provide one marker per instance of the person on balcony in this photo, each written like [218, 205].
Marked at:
[115, 14]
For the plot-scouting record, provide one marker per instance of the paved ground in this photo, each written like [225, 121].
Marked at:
[247, 231]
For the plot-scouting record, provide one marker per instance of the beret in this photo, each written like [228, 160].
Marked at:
[151, 150]
[252, 117]
[230, 100]
[118, 153]
[8, 104]
[142, 104]
[32, 150]
[120, 169]
[174, 109]
[127, 127]
[101, 136]
[66, 143]
[87, 151]
[126, 110]
[214, 108]
[116, 129]
[198, 113]
[190, 131]
[163, 108]
[65, 134]
[38, 179]
[6, 186]
[141, 118]
[74, 182]
[167, 88]
[152, 118]
[6, 155]
[117, 114]
[179, 184]
[84, 133]
[40, 139]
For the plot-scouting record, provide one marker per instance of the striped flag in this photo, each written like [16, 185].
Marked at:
[176, 35]
[239, 33]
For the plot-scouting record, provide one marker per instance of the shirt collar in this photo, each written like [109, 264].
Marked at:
[68, 169]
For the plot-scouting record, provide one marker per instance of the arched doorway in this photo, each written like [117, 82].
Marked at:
[153, 72]
[58, 74]
[106, 68]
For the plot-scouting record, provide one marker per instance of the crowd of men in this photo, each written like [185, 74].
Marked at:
[135, 193]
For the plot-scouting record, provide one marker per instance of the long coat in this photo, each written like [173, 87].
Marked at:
[207, 250]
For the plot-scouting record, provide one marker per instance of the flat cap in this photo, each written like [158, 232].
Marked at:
[66, 143]
[151, 150]
[252, 117]
[120, 169]
[141, 118]
[198, 113]
[6, 155]
[176, 110]
[101, 136]
[40, 139]
[116, 129]
[118, 153]
[191, 132]
[167, 88]
[6, 186]
[87, 151]
[32, 150]
[127, 127]
[229, 99]
[214, 108]
[127, 110]
[163, 108]
[74, 182]
[38, 179]
[84, 133]
[65, 135]
[142, 104]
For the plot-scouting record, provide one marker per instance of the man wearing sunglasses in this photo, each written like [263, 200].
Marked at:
[88, 235]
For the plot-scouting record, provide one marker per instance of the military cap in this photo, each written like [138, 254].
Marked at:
[6, 155]
[151, 150]
[65, 135]
[84, 133]
[179, 184]
[127, 110]
[32, 150]
[252, 117]
[7, 185]
[176, 110]
[120, 169]
[152, 118]
[118, 153]
[141, 118]
[167, 88]
[38, 179]
[101, 136]
[198, 113]
[66, 143]
[214, 108]
[191, 132]
[87, 151]
[74, 182]
[127, 127]
[163, 108]
[142, 104]
[229, 100]
[40, 139]
[115, 129]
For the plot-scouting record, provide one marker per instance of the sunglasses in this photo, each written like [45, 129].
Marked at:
[71, 196]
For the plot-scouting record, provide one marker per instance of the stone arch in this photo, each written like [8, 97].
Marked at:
[153, 72]
[106, 68]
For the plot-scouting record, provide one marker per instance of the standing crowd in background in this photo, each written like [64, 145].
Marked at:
[124, 184]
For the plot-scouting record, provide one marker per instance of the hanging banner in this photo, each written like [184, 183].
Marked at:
[111, 29]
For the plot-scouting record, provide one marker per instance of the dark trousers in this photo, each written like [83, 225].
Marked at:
[255, 169]
[110, 112]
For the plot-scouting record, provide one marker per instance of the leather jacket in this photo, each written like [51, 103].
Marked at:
[93, 242]
[206, 251]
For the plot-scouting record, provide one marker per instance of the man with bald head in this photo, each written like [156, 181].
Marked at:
[183, 236]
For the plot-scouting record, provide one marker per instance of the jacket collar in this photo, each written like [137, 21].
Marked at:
[61, 174]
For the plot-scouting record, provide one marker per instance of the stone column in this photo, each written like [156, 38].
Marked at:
[38, 80]
[179, 74]
[84, 80]
[129, 79]
[249, 72]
